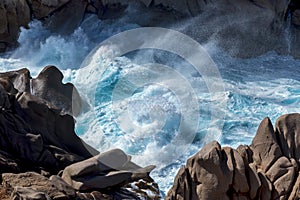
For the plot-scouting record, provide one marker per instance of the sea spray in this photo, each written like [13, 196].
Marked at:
[267, 85]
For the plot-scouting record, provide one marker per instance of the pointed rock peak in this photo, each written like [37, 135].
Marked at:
[265, 133]
[209, 150]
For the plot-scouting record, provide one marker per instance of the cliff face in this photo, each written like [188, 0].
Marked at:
[41, 157]
[266, 169]
[254, 27]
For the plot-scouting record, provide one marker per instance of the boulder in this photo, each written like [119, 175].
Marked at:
[109, 169]
[267, 169]
[48, 86]
[207, 175]
[14, 81]
[264, 146]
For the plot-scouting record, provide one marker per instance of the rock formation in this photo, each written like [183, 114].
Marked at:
[266, 169]
[41, 157]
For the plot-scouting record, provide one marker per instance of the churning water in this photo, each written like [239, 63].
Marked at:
[145, 122]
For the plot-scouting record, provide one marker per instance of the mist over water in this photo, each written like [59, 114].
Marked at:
[267, 85]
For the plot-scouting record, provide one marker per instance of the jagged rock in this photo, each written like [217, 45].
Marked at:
[46, 134]
[240, 182]
[264, 146]
[37, 140]
[267, 169]
[208, 175]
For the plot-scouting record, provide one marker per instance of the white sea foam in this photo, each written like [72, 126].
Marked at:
[144, 123]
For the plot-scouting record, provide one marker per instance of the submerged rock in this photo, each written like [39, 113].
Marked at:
[267, 169]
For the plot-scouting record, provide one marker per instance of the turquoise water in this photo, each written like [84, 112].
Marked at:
[145, 122]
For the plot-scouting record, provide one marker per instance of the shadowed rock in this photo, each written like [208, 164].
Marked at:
[37, 141]
[288, 133]
[48, 85]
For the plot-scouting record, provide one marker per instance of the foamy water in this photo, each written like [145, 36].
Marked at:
[144, 123]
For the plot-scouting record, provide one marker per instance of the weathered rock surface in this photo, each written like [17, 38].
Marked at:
[38, 142]
[105, 170]
[267, 169]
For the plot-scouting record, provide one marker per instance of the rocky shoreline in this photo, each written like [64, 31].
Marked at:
[266, 169]
[41, 157]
